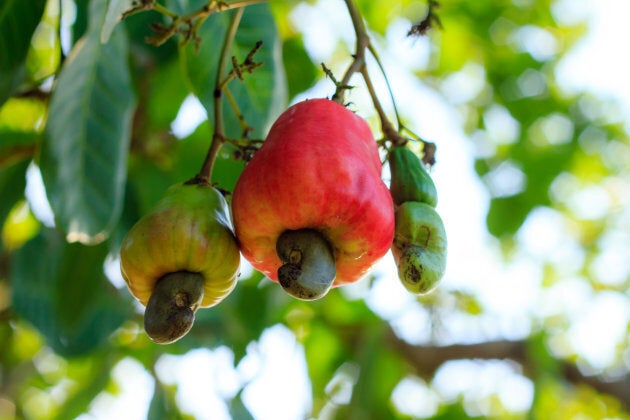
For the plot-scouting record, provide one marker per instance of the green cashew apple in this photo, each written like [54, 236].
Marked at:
[310, 209]
[419, 246]
[179, 257]
[410, 181]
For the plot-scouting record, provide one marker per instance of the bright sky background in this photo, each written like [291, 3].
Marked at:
[206, 377]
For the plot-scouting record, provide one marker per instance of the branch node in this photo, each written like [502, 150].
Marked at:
[237, 68]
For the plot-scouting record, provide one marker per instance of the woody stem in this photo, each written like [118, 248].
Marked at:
[218, 136]
[358, 65]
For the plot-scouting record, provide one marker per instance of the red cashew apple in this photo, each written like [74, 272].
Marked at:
[310, 209]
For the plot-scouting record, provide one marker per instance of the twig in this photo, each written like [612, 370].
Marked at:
[386, 126]
[246, 128]
[187, 25]
[340, 87]
[358, 65]
[248, 65]
[428, 147]
[391, 134]
[161, 9]
[139, 6]
[363, 40]
[218, 136]
[389, 86]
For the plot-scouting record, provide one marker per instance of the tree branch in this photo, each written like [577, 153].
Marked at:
[427, 360]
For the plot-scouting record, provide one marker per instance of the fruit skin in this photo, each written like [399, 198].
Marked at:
[189, 229]
[419, 246]
[410, 181]
[319, 168]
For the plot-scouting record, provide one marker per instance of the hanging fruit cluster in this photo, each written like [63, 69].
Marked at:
[310, 210]
[419, 246]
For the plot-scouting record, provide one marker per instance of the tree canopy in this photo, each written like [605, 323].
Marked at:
[105, 105]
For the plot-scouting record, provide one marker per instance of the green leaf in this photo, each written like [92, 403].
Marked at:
[184, 7]
[148, 182]
[84, 154]
[454, 411]
[22, 114]
[115, 9]
[12, 184]
[375, 11]
[62, 290]
[300, 70]
[507, 214]
[138, 28]
[163, 405]
[166, 91]
[21, 121]
[80, 26]
[18, 20]
[44, 56]
[227, 169]
[233, 323]
[191, 152]
[322, 364]
[261, 96]
[16, 146]
[238, 409]
[128, 218]
[92, 384]
[381, 370]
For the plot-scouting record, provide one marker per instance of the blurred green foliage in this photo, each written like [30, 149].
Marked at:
[64, 326]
